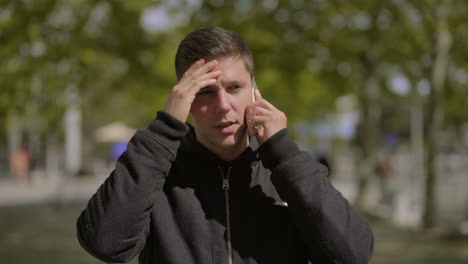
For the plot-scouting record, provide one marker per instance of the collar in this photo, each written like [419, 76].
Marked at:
[191, 145]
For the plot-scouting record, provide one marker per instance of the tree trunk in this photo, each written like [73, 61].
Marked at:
[370, 118]
[417, 149]
[435, 113]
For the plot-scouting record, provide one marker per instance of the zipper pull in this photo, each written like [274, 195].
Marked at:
[225, 177]
[225, 184]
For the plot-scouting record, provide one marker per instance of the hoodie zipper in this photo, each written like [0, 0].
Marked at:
[228, 216]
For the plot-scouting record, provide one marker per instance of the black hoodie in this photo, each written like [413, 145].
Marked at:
[170, 200]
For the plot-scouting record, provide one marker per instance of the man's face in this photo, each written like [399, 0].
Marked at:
[218, 111]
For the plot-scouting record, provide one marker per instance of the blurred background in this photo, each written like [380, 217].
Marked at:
[376, 90]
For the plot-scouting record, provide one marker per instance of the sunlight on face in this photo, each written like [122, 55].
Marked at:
[218, 111]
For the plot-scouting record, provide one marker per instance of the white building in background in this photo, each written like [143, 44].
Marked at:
[72, 133]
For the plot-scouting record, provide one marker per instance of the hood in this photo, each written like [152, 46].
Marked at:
[194, 148]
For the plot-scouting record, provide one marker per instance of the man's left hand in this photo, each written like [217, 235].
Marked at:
[263, 119]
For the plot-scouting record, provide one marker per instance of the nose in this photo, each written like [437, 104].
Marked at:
[222, 101]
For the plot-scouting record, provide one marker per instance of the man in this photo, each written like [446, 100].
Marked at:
[207, 194]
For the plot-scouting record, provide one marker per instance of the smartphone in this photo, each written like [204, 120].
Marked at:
[253, 90]
[255, 87]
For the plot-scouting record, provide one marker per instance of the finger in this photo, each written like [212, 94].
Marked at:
[207, 67]
[260, 133]
[248, 121]
[265, 104]
[253, 126]
[209, 75]
[259, 120]
[259, 110]
[191, 83]
[194, 66]
[257, 95]
[199, 84]
[259, 99]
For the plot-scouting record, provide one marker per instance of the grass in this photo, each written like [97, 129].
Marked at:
[46, 234]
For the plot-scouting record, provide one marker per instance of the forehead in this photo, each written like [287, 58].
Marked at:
[232, 68]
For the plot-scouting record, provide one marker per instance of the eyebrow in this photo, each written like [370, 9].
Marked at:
[206, 88]
[232, 82]
[224, 84]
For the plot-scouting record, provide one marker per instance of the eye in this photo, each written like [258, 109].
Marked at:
[233, 88]
[205, 91]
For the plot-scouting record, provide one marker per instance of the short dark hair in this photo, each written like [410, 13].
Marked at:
[210, 43]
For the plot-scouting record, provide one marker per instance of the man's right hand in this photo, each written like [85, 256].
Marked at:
[198, 76]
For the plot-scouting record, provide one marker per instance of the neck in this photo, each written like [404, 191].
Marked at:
[228, 153]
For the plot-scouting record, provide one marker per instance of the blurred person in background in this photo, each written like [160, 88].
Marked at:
[20, 164]
[231, 187]
[384, 172]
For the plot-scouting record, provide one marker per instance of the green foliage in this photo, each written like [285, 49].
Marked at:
[306, 53]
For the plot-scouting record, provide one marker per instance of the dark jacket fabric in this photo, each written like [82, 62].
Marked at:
[165, 202]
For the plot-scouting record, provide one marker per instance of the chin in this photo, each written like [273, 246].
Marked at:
[229, 142]
[233, 141]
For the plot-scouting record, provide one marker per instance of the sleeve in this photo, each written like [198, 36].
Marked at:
[114, 225]
[332, 230]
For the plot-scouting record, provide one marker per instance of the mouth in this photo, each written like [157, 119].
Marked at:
[225, 124]
[226, 127]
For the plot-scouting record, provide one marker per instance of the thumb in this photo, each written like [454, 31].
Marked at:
[248, 121]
